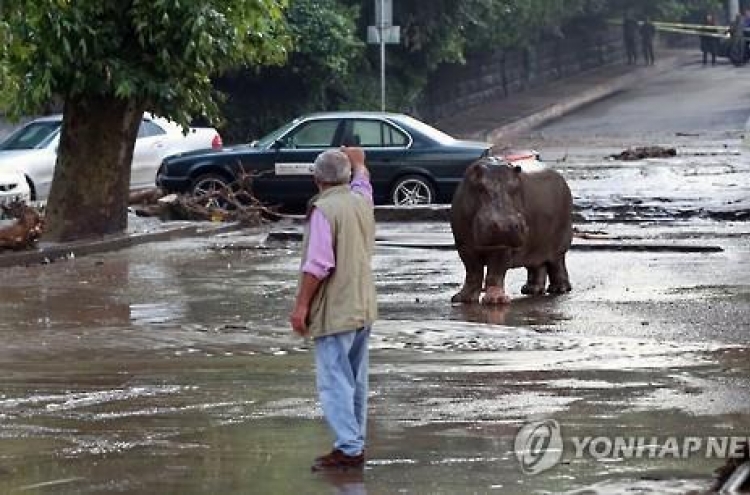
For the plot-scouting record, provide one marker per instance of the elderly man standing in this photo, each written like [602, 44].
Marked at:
[336, 302]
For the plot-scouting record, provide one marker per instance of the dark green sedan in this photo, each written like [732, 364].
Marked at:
[409, 161]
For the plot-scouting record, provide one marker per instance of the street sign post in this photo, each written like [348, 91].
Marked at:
[382, 33]
[383, 13]
[391, 35]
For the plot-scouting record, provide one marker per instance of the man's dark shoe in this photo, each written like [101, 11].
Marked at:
[332, 453]
[338, 460]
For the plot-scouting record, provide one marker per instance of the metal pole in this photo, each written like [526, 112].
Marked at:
[381, 30]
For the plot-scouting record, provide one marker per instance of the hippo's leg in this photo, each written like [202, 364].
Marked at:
[535, 280]
[558, 276]
[494, 283]
[474, 266]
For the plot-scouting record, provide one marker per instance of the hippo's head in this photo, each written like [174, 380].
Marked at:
[496, 189]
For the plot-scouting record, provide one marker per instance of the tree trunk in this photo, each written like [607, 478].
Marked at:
[90, 188]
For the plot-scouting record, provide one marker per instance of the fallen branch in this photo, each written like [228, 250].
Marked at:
[233, 203]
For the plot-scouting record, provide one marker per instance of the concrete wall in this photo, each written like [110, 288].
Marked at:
[505, 73]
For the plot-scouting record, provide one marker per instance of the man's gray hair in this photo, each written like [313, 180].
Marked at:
[332, 167]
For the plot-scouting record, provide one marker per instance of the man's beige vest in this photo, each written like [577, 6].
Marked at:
[346, 299]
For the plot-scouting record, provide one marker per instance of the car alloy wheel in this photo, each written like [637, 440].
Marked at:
[210, 186]
[413, 190]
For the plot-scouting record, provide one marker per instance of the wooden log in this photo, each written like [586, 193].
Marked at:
[145, 196]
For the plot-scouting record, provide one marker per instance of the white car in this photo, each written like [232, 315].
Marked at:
[32, 148]
[13, 186]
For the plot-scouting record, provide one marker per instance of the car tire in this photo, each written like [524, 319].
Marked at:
[207, 184]
[412, 190]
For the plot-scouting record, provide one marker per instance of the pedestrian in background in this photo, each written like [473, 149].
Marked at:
[709, 44]
[738, 42]
[336, 302]
[629, 35]
[648, 32]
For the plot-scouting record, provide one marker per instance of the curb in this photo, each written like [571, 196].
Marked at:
[416, 213]
[425, 213]
[653, 247]
[53, 252]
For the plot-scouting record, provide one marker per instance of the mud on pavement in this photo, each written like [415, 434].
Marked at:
[170, 367]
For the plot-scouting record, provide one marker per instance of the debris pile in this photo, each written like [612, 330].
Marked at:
[641, 153]
[234, 202]
[25, 231]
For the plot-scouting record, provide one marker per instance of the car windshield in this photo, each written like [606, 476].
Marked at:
[31, 136]
[429, 131]
[269, 139]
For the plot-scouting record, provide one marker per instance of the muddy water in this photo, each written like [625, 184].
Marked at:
[168, 368]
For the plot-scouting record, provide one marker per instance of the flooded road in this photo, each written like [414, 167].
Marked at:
[170, 367]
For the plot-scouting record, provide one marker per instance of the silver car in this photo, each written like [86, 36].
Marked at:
[32, 149]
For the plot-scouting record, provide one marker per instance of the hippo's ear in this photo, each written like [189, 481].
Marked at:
[475, 171]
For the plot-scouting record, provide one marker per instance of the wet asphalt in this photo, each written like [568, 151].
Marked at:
[170, 367]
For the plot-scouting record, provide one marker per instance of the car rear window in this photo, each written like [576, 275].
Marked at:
[148, 129]
[375, 133]
[32, 135]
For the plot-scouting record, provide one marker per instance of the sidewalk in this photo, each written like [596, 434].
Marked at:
[499, 120]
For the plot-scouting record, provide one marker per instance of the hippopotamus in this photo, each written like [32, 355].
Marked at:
[504, 216]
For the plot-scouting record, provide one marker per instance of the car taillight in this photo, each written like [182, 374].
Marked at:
[217, 143]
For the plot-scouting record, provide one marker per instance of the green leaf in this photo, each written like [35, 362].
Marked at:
[124, 90]
[133, 50]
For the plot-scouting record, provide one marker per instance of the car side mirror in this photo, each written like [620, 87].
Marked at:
[278, 144]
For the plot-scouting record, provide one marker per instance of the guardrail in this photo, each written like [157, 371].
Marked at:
[736, 41]
[696, 29]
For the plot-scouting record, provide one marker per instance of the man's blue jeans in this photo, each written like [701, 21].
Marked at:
[341, 363]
